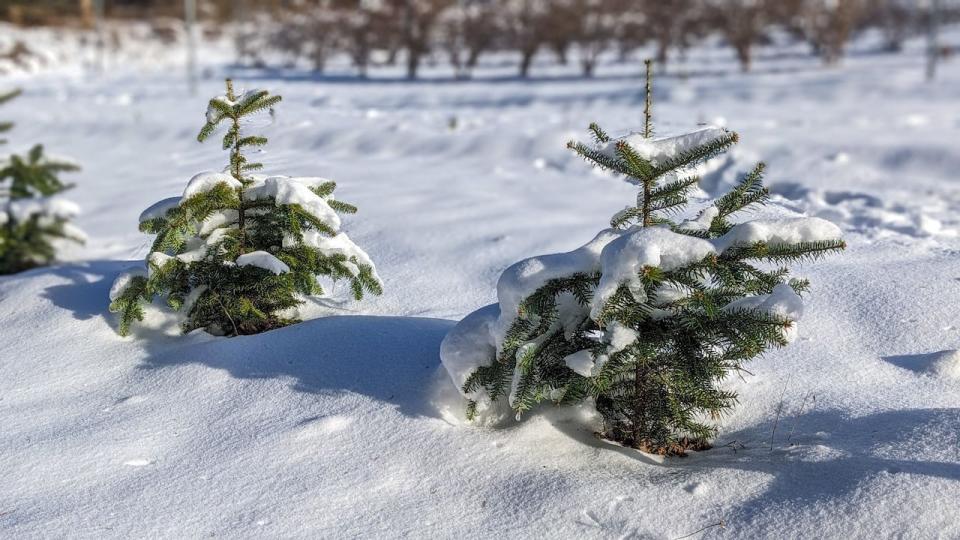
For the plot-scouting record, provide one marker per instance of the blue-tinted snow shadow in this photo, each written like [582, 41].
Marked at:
[391, 359]
[917, 363]
[86, 292]
[829, 456]
[820, 457]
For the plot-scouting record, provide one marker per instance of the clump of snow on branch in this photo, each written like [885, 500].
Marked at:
[206, 181]
[123, 280]
[659, 150]
[286, 190]
[262, 259]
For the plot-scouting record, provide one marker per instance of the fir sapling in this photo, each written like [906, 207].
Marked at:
[239, 251]
[33, 218]
[645, 321]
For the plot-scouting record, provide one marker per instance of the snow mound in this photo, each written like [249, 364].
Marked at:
[262, 259]
[469, 345]
[946, 364]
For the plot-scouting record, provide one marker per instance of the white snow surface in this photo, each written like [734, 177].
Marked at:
[262, 259]
[348, 427]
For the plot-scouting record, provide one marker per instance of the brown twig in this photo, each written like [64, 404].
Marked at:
[720, 524]
[776, 421]
[227, 313]
[800, 413]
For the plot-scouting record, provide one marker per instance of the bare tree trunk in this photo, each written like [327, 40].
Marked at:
[525, 62]
[473, 57]
[561, 51]
[86, 13]
[663, 47]
[933, 46]
[743, 54]
[588, 65]
[413, 62]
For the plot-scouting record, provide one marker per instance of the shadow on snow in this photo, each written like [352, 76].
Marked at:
[816, 458]
[392, 359]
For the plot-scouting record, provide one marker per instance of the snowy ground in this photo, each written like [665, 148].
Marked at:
[348, 427]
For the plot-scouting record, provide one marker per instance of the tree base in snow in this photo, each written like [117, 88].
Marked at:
[15, 267]
[677, 449]
[246, 327]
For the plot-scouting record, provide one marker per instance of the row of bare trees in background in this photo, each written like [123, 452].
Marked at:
[373, 32]
[572, 30]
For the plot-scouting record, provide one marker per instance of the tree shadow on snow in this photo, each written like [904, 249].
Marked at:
[86, 294]
[819, 457]
[920, 364]
[391, 359]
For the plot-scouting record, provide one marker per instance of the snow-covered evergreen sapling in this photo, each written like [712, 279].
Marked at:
[647, 319]
[239, 251]
[32, 217]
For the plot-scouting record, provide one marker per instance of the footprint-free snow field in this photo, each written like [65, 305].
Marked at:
[347, 426]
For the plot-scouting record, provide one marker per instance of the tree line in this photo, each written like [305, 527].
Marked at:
[412, 32]
[372, 32]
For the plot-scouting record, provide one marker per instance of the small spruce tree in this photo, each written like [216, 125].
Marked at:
[32, 219]
[239, 250]
[650, 317]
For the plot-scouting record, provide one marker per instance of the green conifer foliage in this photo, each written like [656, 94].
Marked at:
[239, 250]
[7, 126]
[651, 348]
[31, 218]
